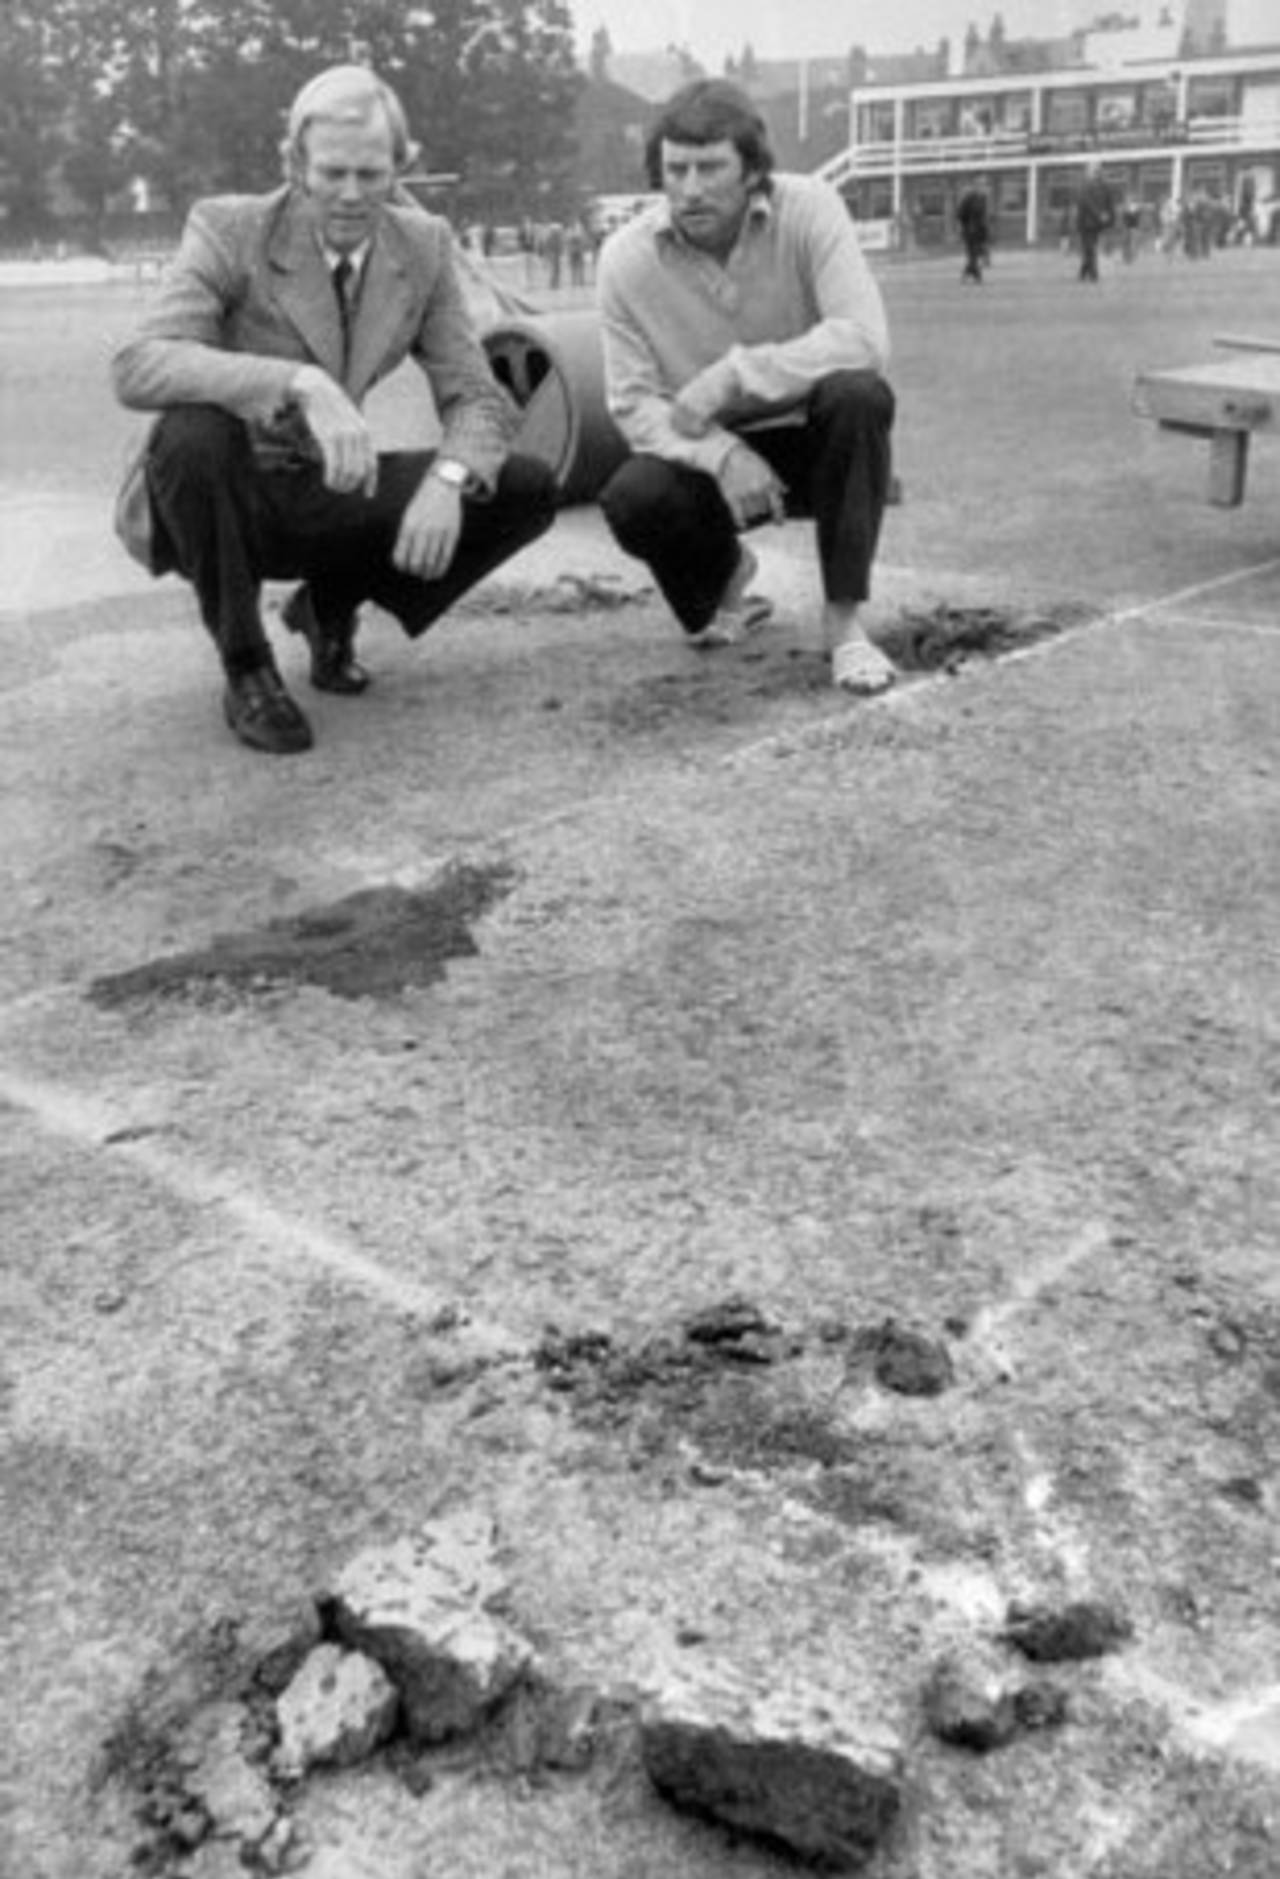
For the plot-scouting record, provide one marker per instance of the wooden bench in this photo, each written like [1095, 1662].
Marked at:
[1225, 402]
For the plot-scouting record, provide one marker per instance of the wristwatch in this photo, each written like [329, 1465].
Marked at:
[450, 471]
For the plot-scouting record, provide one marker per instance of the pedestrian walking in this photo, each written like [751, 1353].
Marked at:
[575, 247]
[973, 214]
[553, 251]
[1095, 214]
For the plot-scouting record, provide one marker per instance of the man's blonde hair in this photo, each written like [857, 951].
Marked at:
[345, 94]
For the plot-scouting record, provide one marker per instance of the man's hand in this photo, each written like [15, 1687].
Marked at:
[750, 487]
[346, 445]
[687, 420]
[696, 407]
[429, 530]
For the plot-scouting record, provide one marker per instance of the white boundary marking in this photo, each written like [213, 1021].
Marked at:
[1213, 623]
[288, 1241]
[1194, 593]
[837, 730]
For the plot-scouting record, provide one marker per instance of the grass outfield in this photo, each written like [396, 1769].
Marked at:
[1016, 439]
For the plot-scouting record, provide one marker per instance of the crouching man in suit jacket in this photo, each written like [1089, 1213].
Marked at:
[279, 314]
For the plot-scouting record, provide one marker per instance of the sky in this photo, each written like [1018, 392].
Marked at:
[779, 29]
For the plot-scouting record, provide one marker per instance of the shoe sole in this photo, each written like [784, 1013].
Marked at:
[270, 746]
[733, 625]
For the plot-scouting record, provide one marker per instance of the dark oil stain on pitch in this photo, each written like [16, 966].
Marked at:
[372, 944]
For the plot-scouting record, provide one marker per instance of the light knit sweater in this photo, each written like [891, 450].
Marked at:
[744, 339]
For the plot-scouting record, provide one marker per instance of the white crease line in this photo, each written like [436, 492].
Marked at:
[288, 1241]
[1245, 1726]
[836, 730]
[1204, 623]
[1193, 593]
[986, 1331]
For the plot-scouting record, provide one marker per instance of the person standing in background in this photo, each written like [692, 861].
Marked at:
[1095, 214]
[973, 213]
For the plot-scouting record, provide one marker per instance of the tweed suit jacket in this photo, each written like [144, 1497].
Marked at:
[249, 299]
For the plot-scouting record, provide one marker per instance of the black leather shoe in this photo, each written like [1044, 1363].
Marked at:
[262, 714]
[334, 667]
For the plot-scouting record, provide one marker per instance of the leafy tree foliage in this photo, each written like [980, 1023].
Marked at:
[600, 55]
[189, 96]
[31, 143]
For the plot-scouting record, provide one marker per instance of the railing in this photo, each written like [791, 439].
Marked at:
[1000, 149]
[932, 153]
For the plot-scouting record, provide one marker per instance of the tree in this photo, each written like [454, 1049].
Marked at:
[600, 55]
[30, 141]
[521, 132]
[191, 95]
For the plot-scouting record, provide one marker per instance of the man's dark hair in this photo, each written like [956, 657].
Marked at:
[710, 111]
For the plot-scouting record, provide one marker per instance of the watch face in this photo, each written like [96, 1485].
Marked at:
[449, 472]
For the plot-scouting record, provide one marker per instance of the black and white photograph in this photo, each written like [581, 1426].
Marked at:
[640, 948]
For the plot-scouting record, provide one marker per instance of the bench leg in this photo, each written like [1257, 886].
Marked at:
[1228, 462]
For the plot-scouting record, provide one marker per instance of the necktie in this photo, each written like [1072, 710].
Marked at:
[343, 276]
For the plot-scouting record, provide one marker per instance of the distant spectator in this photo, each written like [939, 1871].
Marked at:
[1170, 226]
[973, 213]
[528, 237]
[1198, 225]
[1245, 229]
[575, 247]
[1095, 214]
[553, 251]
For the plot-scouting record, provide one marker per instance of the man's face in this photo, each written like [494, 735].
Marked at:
[708, 190]
[347, 172]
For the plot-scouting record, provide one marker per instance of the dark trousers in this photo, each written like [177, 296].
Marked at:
[975, 253]
[232, 523]
[835, 466]
[1089, 239]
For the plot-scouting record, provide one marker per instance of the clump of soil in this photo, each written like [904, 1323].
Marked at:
[149, 1756]
[706, 1382]
[903, 1360]
[725, 1381]
[943, 637]
[373, 944]
[1087, 1628]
